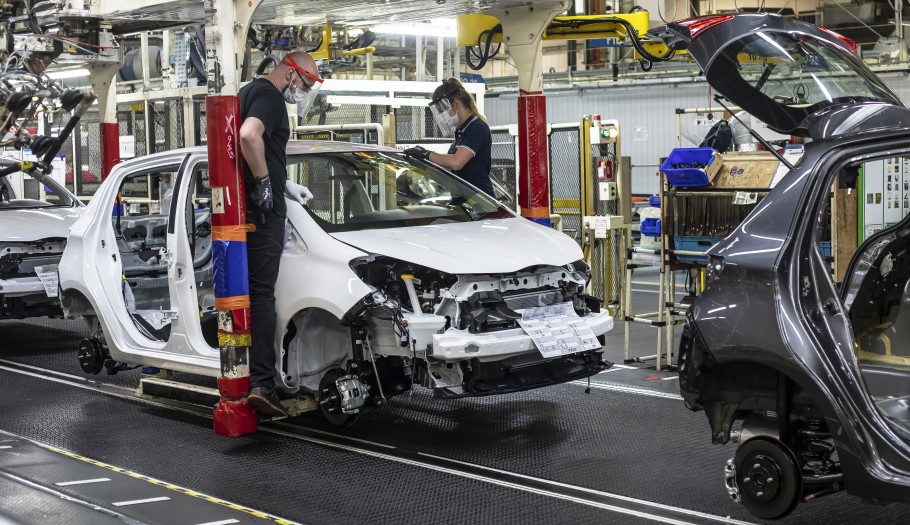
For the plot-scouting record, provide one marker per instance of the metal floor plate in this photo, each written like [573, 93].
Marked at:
[635, 445]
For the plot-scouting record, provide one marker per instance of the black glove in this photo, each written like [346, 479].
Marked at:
[262, 195]
[418, 152]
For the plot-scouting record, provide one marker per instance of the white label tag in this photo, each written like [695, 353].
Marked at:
[601, 225]
[49, 278]
[557, 330]
[217, 200]
[745, 197]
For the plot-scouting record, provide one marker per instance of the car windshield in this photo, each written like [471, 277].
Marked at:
[784, 77]
[384, 189]
[22, 190]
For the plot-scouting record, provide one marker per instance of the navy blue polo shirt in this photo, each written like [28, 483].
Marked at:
[474, 134]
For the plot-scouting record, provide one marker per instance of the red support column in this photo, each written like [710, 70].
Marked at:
[533, 175]
[523, 29]
[110, 147]
[233, 417]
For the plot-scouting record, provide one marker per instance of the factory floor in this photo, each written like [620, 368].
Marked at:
[86, 449]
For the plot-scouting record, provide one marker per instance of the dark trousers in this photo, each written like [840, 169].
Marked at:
[263, 251]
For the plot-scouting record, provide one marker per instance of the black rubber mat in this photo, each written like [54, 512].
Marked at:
[638, 446]
[108, 494]
[24, 505]
[290, 478]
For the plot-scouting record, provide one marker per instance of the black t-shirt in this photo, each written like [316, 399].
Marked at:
[474, 134]
[261, 99]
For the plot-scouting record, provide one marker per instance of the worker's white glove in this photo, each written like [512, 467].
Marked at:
[297, 192]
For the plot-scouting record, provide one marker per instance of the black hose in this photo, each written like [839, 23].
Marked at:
[269, 59]
[630, 32]
[489, 34]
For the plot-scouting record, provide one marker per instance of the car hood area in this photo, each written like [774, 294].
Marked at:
[479, 247]
[25, 224]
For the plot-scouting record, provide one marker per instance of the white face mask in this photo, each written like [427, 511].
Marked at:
[445, 116]
[293, 95]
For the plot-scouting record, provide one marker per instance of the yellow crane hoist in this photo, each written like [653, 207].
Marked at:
[479, 32]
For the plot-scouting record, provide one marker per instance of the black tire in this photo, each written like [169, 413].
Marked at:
[331, 410]
[768, 477]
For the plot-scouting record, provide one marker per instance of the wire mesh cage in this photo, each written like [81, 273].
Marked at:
[606, 262]
[199, 118]
[416, 124]
[87, 154]
[565, 179]
[503, 156]
[166, 124]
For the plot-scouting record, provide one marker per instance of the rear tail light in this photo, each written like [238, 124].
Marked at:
[849, 42]
[699, 24]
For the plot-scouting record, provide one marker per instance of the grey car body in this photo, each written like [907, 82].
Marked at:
[770, 348]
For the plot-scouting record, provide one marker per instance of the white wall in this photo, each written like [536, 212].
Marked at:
[646, 115]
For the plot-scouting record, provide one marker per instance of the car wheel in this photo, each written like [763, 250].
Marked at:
[768, 477]
[330, 400]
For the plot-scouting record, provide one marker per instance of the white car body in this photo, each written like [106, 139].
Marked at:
[33, 234]
[327, 285]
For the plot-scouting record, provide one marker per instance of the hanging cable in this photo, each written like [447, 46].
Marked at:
[631, 34]
[486, 54]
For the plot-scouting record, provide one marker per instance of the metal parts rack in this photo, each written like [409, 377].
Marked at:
[692, 220]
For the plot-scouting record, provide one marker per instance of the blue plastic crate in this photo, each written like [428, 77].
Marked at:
[650, 227]
[654, 200]
[690, 177]
[825, 247]
[691, 243]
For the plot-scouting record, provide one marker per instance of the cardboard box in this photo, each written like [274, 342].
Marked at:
[747, 170]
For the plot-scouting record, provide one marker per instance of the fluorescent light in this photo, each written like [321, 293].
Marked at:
[377, 101]
[444, 27]
[68, 73]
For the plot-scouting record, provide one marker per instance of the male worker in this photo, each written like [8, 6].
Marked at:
[264, 134]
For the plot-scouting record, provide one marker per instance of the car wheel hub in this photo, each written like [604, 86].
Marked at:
[761, 478]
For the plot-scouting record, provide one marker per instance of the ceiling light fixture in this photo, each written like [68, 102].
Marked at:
[444, 27]
[68, 73]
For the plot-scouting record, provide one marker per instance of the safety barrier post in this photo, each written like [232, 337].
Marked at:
[229, 21]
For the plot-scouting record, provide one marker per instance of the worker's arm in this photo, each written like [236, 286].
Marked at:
[252, 147]
[454, 161]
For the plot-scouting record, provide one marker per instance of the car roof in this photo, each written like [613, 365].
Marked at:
[302, 147]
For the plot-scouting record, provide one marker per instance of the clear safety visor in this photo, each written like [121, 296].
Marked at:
[443, 115]
[309, 97]
[312, 84]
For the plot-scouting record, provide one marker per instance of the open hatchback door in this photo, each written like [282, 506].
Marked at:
[785, 72]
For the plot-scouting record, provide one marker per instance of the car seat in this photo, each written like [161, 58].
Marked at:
[889, 342]
[356, 200]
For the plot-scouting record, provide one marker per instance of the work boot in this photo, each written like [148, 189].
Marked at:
[266, 403]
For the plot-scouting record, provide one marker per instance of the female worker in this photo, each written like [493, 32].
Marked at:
[469, 156]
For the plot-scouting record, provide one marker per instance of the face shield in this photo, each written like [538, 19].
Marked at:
[305, 96]
[445, 116]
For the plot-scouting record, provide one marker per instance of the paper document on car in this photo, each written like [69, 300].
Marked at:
[557, 330]
[48, 276]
